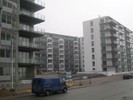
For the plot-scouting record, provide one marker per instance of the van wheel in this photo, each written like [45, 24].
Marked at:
[64, 90]
[47, 93]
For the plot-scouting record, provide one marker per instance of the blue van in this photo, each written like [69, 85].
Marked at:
[48, 86]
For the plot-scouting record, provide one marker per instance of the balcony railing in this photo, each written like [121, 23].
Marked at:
[31, 29]
[29, 44]
[32, 61]
[39, 2]
[36, 15]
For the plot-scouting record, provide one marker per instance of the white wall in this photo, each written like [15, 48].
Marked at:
[88, 47]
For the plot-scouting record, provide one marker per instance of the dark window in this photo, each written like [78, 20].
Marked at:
[92, 30]
[104, 55]
[9, 19]
[2, 53]
[4, 3]
[4, 18]
[93, 69]
[8, 37]
[92, 43]
[93, 50]
[3, 36]
[91, 23]
[8, 53]
[93, 56]
[1, 71]
[104, 62]
[9, 5]
[92, 36]
[93, 63]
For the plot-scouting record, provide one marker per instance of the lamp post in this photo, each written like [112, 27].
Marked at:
[12, 64]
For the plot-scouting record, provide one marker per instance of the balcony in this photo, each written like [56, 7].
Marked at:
[5, 60]
[112, 22]
[28, 62]
[29, 17]
[5, 42]
[28, 46]
[27, 31]
[35, 5]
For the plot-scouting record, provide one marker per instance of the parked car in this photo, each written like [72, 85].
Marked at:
[48, 86]
[128, 76]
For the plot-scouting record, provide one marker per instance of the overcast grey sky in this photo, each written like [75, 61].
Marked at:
[66, 16]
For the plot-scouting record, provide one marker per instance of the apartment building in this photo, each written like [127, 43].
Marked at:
[17, 38]
[107, 45]
[60, 53]
[81, 54]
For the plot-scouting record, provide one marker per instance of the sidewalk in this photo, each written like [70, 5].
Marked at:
[20, 91]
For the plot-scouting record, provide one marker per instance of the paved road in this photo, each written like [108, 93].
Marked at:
[107, 91]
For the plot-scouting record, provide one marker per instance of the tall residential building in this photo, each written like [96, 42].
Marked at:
[81, 54]
[107, 45]
[60, 54]
[17, 38]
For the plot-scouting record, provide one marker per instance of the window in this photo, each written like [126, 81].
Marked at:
[104, 62]
[61, 46]
[61, 56]
[93, 50]
[61, 51]
[49, 61]
[4, 3]
[4, 18]
[1, 71]
[9, 19]
[9, 5]
[3, 36]
[75, 52]
[104, 55]
[91, 23]
[92, 36]
[93, 63]
[49, 45]
[49, 56]
[61, 61]
[104, 48]
[49, 40]
[8, 37]
[93, 56]
[50, 50]
[8, 53]
[2, 53]
[91, 30]
[93, 69]
[92, 43]
[50, 66]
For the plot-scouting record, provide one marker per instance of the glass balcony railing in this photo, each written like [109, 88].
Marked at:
[27, 60]
[31, 29]
[36, 15]
[28, 44]
[39, 2]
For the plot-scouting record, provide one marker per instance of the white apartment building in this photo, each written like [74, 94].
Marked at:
[107, 45]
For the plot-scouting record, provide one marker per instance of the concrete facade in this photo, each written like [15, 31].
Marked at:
[18, 18]
[60, 53]
[108, 45]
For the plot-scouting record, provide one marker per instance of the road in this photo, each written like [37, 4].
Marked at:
[107, 91]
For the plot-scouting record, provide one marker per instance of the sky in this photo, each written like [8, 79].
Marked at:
[66, 16]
